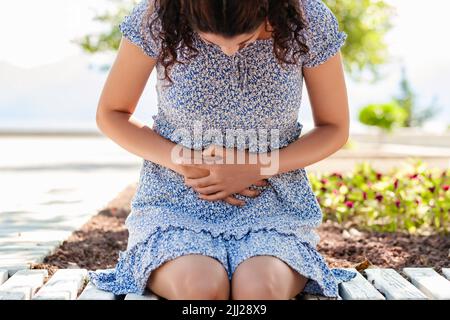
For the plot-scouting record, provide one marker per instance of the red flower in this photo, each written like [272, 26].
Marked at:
[432, 189]
[446, 187]
[379, 197]
[395, 184]
[364, 195]
[336, 174]
[413, 176]
[417, 201]
[379, 175]
[349, 204]
[397, 203]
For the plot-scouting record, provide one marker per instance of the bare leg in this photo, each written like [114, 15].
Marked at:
[190, 277]
[266, 277]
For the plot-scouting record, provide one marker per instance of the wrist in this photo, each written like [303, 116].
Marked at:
[265, 163]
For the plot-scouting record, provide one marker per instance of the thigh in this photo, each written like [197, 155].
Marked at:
[189, 276]
[266, 277]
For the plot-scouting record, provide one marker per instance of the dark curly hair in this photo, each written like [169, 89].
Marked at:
[179, 19]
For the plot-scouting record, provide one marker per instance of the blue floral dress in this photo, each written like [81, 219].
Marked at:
[219, 93]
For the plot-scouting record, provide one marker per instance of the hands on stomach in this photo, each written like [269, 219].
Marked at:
[221, 173]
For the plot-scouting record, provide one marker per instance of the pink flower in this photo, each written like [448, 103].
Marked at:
[417, 201]
[324, 181]
[414, 176]
[349, 204]
[335, 191]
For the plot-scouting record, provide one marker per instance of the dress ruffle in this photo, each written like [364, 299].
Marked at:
[137, 262]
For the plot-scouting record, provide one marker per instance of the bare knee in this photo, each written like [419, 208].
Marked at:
[257, 289]
[195, 286]
[191, 277]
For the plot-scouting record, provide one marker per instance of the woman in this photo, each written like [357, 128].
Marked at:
[205, 228]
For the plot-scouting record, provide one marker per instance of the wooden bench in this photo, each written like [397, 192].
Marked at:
[370, 284]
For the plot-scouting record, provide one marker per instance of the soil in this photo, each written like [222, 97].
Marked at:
[97, 244]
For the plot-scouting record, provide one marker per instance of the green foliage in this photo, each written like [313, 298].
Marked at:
[414, 199]
[108, 40]
[407, 101]
[366, 23]
[384, 116]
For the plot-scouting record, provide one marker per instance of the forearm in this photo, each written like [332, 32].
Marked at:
[137, 138]
[317, 144]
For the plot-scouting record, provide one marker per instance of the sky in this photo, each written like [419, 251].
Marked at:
[36, 35]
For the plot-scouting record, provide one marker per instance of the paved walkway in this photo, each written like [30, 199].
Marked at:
[51, 187]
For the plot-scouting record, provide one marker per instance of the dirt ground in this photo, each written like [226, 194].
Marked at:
[97, 244]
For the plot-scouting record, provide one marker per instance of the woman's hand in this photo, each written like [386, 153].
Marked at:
[226, 176]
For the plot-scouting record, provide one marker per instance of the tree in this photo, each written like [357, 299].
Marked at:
[407, 100]
[366, 23]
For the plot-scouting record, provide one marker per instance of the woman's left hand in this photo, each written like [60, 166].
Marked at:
[226, 176]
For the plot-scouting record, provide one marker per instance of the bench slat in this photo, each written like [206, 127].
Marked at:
[64, 285]
[393, 285]
[446, 272]
[12, 295]
[146, 296]
[25, 281]
[358, 289]
[429, 282]
[3, 275]
[91, 292]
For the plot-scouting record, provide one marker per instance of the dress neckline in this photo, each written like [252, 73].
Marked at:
[240, 51]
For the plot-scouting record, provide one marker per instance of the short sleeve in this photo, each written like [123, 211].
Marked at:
[134, 28]
[322, 34]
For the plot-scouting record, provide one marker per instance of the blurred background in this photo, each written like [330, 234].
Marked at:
[54, 60]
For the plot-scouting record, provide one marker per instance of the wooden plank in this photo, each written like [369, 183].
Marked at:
[429, 282]
[3, 275]
[393, 285]
[146, 296]
[308, 296]
[91, 292]
[358, 288]
[25, 281]
[64, 285]
[446, 272]
[5, 295]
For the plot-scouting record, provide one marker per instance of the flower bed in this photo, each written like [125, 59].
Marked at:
[410, 198]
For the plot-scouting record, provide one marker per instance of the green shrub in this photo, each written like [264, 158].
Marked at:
[385, 116]
[414, 198]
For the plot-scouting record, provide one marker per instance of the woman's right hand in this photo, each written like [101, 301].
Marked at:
[193, 172]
